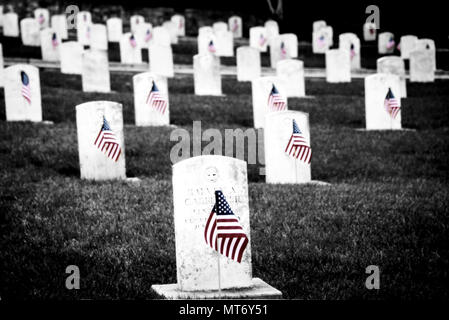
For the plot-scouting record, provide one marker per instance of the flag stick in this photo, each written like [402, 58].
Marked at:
[219, 276]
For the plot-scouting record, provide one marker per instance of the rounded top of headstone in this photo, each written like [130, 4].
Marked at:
[26, 67]
[290, 63]
[381, 77]
[285, 113]
[99, 104]
[193, 161]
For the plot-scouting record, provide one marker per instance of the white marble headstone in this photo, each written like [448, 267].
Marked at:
[135, 21]
[130, 51]
[10, 25]
[386, 43]
[50, 45]
[71, 53]
[422, 66]
[144, 34]
[394, 65]
[235, 26]
[161, 36]
[261, 89]
[428, 45]
[161, 60]
[293, 72]
[145, 114]
[42, 16]
[205, 29]
[83, 27]
[278, 51]
[376, 89]
[98, 37]
[203, 41]
[95, 164]
[219, 26]
[224, 42]
[258, 38]
[407, 44]
[172, 29]
[317, 25]
[195, 181]
[280, 167]
[351, 43]
[59, 24]
[206, 75]
[272, 29]
[180, 24]
[248, 63]
[30, 32]
[322, 39]
[369, 31]
[115, 29]
[1, 15]
[2, 71]
[338, 66]
[95, 72]
[19, 108]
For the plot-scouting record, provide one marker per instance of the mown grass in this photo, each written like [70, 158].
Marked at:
[387, 204]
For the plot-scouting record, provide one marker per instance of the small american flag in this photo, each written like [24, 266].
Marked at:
[26, 90]
[390, 43]
[399, 46]
[181, 24]
[211, 47]
[321, 41]
[88, 32]
[283, 50]
[262, 40]
[392, 104]
[132, 41]
[156, 100]
[85, 17]
[372, 30]
[235, 26]
[223, 231]
[297, 146]
[41, 18]
[352, 51]
[107, 141]
[276, 102]
[148, 35]
[54, 40]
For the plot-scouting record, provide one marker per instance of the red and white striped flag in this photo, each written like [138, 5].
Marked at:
[211, 47]
[26, 90]
[148, 35]
[41, 18]
[392, 104]
[276, 102]
[390, 43]
[283, 50]
[223, 231]
[235, 26]
[262, 40]
[156, 100]
[352, 51]
[132, 41]
[297, 146]
[107, 142]
[54, 40]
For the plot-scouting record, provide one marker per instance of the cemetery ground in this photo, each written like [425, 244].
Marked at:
[387, 204]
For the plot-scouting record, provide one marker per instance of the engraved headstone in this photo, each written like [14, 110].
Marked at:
[394, 65]
[144, 34]
[376, 90]
[97, 161]
[248, 63]
[258, 38]
[147, 114]
[59, 24]
[98, 37]
[369, 31]
[50, 45]
[224, 42]
[422, 66]
[206, 75]
[261, 89]
[322, 39]
[10, 25]
[428, 45]
[71, 53]
[386, 43]
[272, 29]
[161, 36]
[338, 66]
[95, 72]
[30, 32]
[278, 51]
[235, 26]
[207, 43]
[285, 163]
[219, 26]
[130, 51]
[180, 24]
[115, 29]
[292, 71]
[161, 60]
[172, 29]
[351, 43]
[22, 93]
[317, 25]
[407, 44]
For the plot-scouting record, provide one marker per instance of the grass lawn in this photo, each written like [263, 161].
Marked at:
[387, 205]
